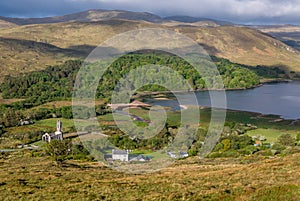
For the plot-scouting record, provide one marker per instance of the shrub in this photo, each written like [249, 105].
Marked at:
[1, 130]
[286, 140]
[298, 137]
[193, 150]
[226, 154]
[278, 147]
[250, 149]
[59, 150]
[230, 154]
[79, 152]
[219, 147]
[226, 144]
[215, 155]
[265, 153]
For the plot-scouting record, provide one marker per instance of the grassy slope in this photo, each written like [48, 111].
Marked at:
[271, 134]
[5, 24]
[8, 101]
[239, 44]
[20, 56]
[27, 178]
[248, 46]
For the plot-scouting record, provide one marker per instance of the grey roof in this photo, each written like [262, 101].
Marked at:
[119, 152]
[139, 157]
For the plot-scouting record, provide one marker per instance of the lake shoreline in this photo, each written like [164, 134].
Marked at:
[263, 82]
[282, 92]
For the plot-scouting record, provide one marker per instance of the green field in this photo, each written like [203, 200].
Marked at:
[52, 123]
[271, 134]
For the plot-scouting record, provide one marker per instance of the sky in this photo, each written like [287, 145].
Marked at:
[238, 11]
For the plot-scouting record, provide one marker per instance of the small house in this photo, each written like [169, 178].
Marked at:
[180, 155]
[172, 155]
[140, 158]
[258, 143]
[183, 154]
[25, 122]
[122, 155]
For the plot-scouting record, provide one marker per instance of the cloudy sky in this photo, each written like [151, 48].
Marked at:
[241, 11]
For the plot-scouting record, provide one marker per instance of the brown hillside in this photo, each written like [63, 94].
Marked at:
[37, 178]
[5, 24]
[20, 56]
[238, 44]
[246, 46]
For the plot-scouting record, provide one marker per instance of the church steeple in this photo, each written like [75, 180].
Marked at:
[58, 133]
[59, 126]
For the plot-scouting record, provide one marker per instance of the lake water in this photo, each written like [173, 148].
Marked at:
[279, 98]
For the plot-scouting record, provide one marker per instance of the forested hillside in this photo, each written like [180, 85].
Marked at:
[57, 81]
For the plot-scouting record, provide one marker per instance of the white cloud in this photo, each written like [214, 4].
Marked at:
[245, 10]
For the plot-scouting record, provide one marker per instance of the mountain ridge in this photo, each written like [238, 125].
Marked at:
[101, 14]
[87, 16]
[188, 19]
[239, 44]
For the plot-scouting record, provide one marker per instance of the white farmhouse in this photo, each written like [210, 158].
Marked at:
[122, 155]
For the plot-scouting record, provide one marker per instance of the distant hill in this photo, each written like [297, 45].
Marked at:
[99, 15]
[239, 44]
[87, 16]
[55, 39]
[288, 34]
[188, 19]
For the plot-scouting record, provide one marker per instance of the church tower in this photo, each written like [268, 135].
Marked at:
[59, 126]
[58, 133]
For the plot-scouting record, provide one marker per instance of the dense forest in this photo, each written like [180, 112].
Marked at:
[53, 82]
[56, 82]
[234, 75]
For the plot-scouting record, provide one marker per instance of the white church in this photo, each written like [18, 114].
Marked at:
[58, 135]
